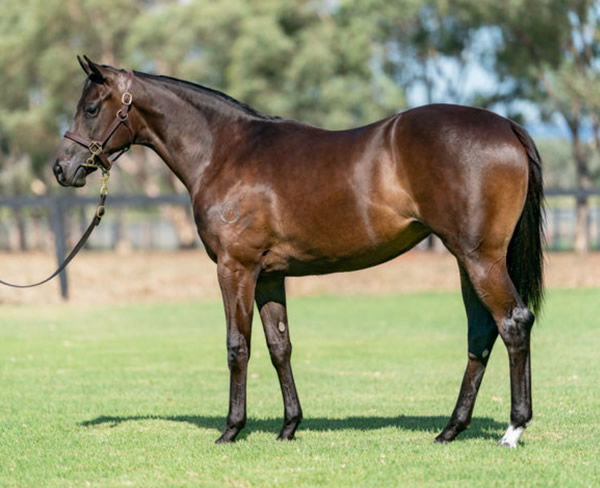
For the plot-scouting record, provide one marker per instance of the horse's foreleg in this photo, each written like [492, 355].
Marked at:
[237, 287]
[482, 335]
[270, 299]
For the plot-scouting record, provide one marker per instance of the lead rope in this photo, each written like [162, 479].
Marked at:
[100, 211]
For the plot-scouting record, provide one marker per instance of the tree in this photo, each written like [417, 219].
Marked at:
[432, 48]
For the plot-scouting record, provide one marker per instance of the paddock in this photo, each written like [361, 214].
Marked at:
[123, 386]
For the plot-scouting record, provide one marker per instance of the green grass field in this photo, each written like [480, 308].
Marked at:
[135, 395]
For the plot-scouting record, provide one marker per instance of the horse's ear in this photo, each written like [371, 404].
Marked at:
[84, 66]
[94, 71]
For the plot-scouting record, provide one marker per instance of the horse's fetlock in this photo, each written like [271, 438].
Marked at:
[521, 416]
[237, 424]
[294, 419]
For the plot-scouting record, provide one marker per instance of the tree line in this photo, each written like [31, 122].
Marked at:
[333, 63]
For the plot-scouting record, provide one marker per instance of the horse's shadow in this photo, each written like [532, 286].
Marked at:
[481, 428]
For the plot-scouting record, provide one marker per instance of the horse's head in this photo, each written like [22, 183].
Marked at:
[96, 130]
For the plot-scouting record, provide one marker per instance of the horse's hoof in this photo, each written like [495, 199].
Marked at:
[447, 435]
[511, 437]
[227, 437]
[283, 436]
[441, 440]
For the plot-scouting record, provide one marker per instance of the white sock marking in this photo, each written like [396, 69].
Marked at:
[512, 436]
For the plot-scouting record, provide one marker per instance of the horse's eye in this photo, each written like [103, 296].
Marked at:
[91, 110]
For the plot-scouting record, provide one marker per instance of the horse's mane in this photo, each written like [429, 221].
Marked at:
[188, 85]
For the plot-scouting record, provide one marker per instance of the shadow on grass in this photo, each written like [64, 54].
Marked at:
[481, 428]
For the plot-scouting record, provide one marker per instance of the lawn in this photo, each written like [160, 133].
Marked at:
[135, 395]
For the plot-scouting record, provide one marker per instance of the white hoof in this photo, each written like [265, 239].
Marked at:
[511, 437]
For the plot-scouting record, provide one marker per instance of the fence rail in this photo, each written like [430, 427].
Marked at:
[574, 192]
[55, 215]
[58, 206]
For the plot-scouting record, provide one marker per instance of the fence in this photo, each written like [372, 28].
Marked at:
[561, 217]
[59, 212]
[55, 222]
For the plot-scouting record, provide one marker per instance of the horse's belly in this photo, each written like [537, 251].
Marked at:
[332, 254]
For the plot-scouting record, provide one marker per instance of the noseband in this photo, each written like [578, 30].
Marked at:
[97, 147]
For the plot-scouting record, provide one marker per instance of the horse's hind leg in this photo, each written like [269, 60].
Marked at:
[481, 338]
[270, 300]
[489, 275]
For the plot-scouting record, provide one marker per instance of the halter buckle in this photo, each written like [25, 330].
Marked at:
[91, 162]
[127, 98]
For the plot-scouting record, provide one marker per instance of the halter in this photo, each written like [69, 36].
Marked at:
[97, 148]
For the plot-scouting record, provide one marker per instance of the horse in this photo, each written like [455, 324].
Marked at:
[273, 198]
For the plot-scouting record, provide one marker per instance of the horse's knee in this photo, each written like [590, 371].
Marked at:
[515, 329]
[238, 354]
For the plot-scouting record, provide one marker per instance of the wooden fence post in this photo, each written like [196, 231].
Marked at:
[57, 218]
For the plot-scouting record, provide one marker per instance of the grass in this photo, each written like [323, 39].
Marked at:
[136, 395]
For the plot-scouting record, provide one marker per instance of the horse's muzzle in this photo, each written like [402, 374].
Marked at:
[61, 173]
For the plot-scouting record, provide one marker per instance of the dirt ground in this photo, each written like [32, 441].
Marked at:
[113, 277]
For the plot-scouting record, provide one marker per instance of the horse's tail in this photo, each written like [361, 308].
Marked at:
[525, 252]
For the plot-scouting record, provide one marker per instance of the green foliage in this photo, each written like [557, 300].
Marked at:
[135, 395]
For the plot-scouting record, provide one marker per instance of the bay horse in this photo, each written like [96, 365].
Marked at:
[273, 198]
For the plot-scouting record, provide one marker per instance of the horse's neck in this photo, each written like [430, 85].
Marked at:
[183, 133]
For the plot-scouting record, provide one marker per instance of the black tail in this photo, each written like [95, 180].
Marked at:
[525, 252]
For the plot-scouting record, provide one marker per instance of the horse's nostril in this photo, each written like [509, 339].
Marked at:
[58, 172]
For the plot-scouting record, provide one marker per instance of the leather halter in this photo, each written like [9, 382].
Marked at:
[97, 147]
